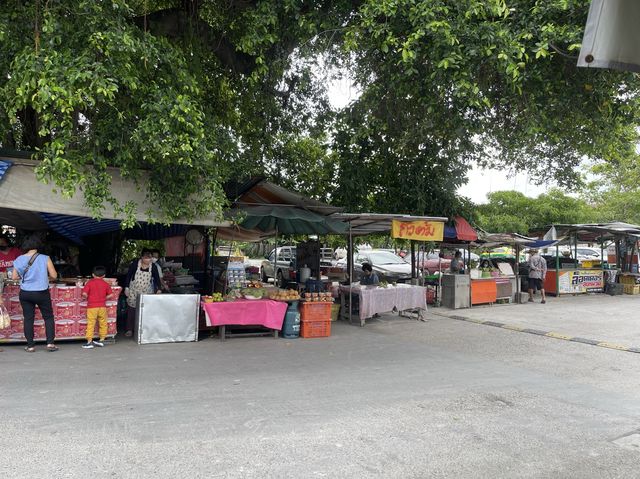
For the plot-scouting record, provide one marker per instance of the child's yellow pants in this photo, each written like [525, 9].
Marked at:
[99, 314]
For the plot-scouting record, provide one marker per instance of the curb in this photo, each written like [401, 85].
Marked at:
[538, 332]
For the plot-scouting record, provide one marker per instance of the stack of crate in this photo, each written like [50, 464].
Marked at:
[315, 319]
[629, 283]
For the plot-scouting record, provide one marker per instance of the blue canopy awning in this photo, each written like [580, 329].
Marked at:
[75, 228]
[541, 243]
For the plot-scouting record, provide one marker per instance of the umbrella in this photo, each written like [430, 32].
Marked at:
[289, 220]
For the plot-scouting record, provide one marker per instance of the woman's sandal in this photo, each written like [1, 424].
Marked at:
[30, 349]
[51, 348]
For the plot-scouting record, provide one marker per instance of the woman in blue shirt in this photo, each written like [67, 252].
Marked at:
[34, 270]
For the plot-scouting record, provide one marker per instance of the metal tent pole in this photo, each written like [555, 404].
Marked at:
[557, 271]
[350, 265]
[413, 259]
[518, 272]
[275, 260]
[470, 290]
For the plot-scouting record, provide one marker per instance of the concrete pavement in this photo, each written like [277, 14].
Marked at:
[398, 398]
[612, 320]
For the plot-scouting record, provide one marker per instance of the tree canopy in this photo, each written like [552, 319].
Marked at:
[198, 91]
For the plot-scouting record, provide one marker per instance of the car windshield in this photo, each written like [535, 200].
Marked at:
[384, 257]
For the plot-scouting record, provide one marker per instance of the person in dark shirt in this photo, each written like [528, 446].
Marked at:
[368, 275]
[457, 266]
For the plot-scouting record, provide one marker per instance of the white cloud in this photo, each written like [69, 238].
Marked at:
[483, 181]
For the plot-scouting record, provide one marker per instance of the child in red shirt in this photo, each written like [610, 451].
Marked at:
[96, 292]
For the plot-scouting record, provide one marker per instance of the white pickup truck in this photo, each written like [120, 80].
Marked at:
[285, 266]
[284, 269]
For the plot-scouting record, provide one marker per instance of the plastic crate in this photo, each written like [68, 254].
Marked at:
[631, 289]
[315, 329]
[315, 311]
[629, 279]
[431, 295]
[335, 311]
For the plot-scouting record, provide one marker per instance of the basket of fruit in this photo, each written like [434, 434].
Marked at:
[285, 295]
[252, 293]
[214, 298]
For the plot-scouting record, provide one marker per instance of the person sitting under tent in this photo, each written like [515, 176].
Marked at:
[368, 276]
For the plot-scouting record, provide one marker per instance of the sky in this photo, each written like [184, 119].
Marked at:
[480, 181]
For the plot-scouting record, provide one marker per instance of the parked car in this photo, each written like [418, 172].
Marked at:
[284, 270]
[286, 265]
[388, 266]
[589, 253]
[432, 262]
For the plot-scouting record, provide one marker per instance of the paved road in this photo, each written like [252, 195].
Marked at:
[397, 398]
[598, 317]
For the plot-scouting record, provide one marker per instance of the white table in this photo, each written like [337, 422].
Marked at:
[375, 299]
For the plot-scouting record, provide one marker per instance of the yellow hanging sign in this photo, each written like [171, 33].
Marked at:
[418, 230]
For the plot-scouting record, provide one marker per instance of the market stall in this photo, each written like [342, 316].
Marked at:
[67, 220]
[496, 279]
[591, 276]
[298, 303]
[574, 281]
[360, 302]
[267, 313]
[374, 300]
[68, 307]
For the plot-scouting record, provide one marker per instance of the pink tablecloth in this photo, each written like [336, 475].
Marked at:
[264, 312]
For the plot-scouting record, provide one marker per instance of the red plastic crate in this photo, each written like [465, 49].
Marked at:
[431, 295]
[315, 329]
[315, 311]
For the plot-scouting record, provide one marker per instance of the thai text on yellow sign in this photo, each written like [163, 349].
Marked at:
[418, 230]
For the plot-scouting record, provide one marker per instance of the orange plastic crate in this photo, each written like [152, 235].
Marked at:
[315, 329]
[315, 311]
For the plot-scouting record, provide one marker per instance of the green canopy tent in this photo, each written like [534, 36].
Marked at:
[288, 220]
[282, 219]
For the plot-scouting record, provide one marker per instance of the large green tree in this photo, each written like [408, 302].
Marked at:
[614, 188]
[191, 92]
[448, 83]
[196, 91]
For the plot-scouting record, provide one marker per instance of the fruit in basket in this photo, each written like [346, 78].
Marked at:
[214, 298]
[255, 284]
[253, 293]
[285, 295]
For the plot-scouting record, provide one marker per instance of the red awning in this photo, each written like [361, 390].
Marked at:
[464, 231]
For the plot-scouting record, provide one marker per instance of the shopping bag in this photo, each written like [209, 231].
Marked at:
[5, 319]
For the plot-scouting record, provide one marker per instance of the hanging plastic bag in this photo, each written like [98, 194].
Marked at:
[5, 319]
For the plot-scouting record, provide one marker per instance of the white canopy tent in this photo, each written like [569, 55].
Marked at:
[612, 37]
[21, 194]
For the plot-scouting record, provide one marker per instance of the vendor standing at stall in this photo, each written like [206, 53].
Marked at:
[142, 278]
[457, 266]
[8, 253]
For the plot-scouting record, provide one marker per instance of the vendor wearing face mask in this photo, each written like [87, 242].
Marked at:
[155, 259]
[7, 253]
[142, 278]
